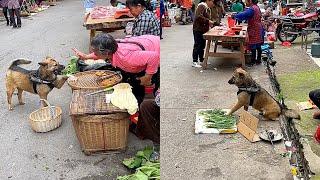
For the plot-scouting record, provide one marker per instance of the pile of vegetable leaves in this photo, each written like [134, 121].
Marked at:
[145, 168]
[216, 118]
[71, 67]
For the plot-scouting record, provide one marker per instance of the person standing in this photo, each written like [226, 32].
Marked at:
[14, 10]
[201, 25]
[4, 4]
[146, 22]
[255, 29]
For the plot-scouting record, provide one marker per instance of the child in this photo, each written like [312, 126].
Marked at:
[255, 29]
[201, 25]
[14, 9]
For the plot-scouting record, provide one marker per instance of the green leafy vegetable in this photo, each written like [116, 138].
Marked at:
[71, 67]
[217, 119]
[146, 169]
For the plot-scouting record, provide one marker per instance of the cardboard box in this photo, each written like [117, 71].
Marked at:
[248, 125]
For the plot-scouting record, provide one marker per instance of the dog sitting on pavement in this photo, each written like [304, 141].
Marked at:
[40, 81]
[252, 94]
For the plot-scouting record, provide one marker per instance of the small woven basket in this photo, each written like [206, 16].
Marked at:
[89, 80]
[45, 119]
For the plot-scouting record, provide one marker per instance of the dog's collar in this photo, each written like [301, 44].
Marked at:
[251, 89]
[34, 77]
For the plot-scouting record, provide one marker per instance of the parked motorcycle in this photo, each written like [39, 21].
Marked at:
[290, 27]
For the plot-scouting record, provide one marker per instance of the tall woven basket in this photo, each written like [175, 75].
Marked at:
[102, 132]
[46, 119]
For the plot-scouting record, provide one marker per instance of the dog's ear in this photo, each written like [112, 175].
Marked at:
[43, 63]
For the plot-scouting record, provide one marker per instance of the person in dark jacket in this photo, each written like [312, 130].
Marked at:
[201, 25]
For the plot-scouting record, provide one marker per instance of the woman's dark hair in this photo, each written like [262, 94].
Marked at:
[145, 3]
[105, 43]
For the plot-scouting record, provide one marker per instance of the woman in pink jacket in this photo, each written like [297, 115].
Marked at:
[137, 58]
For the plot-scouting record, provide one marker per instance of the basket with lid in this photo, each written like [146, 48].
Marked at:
[95, 79]
[99, 126]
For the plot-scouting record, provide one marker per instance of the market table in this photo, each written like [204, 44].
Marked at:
[105, 24]
[215, 36]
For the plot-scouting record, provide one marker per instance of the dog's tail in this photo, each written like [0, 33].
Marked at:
[290, 113]
[18, 62]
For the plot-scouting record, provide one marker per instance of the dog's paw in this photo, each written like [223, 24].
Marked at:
[227, 112]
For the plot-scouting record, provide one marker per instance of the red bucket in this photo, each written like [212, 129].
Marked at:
[231, 22]
[317, 134]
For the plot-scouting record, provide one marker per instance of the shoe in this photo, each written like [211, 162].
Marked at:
[19, 26]
[196, 65]
[14, 26]
[258, 62]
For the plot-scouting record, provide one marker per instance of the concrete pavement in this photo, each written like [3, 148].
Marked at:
[24, 154]
[185, 89]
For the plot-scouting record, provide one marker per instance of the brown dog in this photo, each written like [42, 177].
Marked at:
[40, 81]
[251, 94]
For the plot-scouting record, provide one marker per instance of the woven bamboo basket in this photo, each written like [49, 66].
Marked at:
[102, 132]
[45, 119]
[89, 80]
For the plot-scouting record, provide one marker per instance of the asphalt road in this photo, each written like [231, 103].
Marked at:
[24, 154]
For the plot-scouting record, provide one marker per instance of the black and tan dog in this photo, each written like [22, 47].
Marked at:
[40, 81]
[252, 94]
